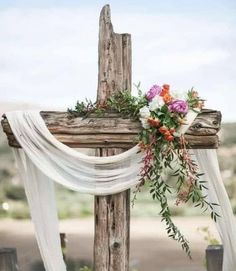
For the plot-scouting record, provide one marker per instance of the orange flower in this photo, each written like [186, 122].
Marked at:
[172, 130]
[167, 87]
[165, 90]
[169, 137]
[167, 98]
[163, 129]
[153, 122]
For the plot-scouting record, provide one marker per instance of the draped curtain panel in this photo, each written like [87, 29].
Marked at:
[208, 163]
[43, 160]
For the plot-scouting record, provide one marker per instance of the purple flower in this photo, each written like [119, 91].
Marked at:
[178, 106]
[154, 90]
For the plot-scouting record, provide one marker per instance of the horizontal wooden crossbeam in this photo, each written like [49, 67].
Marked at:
[110, 130]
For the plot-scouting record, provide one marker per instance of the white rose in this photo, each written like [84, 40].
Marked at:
[144, 112]
[156, 102]
[145, 123]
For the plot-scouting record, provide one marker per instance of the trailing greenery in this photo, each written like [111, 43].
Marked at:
[161, 114]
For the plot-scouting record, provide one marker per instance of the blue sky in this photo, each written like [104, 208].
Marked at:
[48, 49]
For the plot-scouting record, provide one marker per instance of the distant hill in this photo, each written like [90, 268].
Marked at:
[228, 134]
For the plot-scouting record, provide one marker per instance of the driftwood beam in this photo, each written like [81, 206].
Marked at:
[113, 131]
[120, 141]
[207, 123]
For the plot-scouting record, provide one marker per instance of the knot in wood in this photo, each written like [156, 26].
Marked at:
[116, 245]
[215, 122]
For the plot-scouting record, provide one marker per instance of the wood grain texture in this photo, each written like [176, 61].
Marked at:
[207, 123]
[121, 141]
[112, 222]
[112, 213]
[113, 131]
[114, 58]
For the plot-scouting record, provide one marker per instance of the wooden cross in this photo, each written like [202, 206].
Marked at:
[110, 134]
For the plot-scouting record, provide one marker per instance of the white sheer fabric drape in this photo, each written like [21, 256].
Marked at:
[43, 160]
[77, 171]
[41, 199]
[226, 225]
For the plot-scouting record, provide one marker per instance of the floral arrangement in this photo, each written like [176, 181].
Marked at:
[165, 149]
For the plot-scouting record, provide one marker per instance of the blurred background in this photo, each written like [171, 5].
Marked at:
[48, 60]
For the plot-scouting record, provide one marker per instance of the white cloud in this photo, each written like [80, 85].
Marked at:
[49, 56]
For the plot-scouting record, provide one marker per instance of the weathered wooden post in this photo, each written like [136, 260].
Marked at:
[110, 134]
[112, 213]
[8, 259]
[214, 257]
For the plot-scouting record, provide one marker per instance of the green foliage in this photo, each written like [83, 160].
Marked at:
[122, 102]
[85, 268]
[20, 210]
[3, 213]
[15, 192]
[159, 188]
[78, 265]
[126, 104]
[5, 173]
[72, 204]
[19, 213]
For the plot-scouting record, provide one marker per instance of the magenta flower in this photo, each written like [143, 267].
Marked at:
[154, 90]
[178, 106]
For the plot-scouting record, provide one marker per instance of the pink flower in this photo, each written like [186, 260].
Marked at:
[154, 90]
[178, 106]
